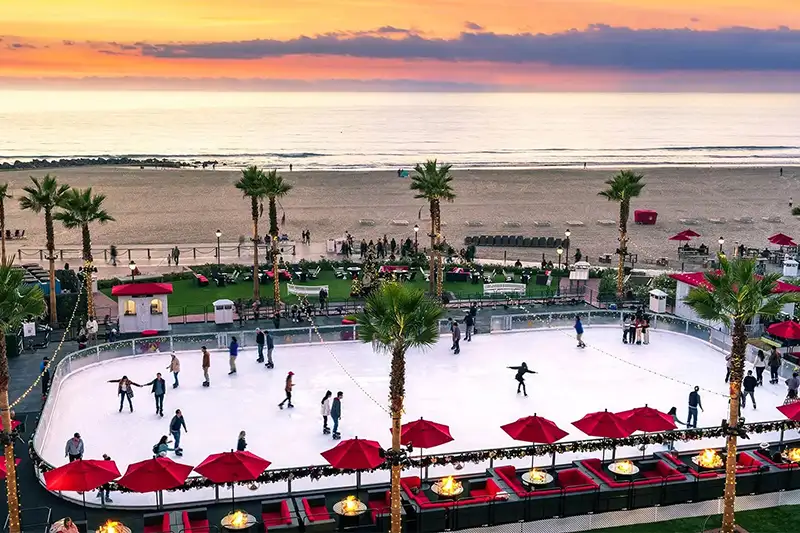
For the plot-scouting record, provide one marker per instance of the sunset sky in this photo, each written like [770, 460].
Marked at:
[739, 45]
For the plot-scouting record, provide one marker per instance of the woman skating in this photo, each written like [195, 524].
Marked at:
[520, 377]
[760, 364]
[325, 411]
[124, 390]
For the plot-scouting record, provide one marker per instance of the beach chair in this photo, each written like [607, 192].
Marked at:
[489, 278]
[425, 274]
[340, 272]
[508, 277]
[314, 274]
[8, 235]
[16, 234]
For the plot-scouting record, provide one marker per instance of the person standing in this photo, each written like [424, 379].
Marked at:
[760, 364]
[336, 414]
[325, 411]
[468, 323]
[456, 338]
[175, 426]
[159, 389]
[91, 329]
[233, 352]
[74, 448]
[728, 363]
[270, 347]
[260, 344]
[749, 384]
[520, 377]
[694, 403]
[646, 330]
[104, 494]
[638, 324]
[626, 326]
[578, 332]
[124, 390]
[206, 366]
[174, 367]
[792, 384]
[44, 370]
[288, 390]
[774, 363]
[241, 443]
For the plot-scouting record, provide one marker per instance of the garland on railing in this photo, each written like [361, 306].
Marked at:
[479, 456]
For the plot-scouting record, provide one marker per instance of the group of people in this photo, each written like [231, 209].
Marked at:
[331, 408]
[469, 328]
[636, 328]
[761, 362]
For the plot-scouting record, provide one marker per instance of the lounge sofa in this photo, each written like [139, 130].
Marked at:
[196, 521]
[157, 523]
[314, 514]
[573, 493]
[660, 473]
[278, 514]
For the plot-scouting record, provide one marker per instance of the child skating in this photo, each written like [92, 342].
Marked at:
[579, 331]
[520, 377]
[288, 390]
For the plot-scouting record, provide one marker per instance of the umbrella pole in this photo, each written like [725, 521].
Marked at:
[780, 444]
[85, 517]
[358, 482]
[421, 479]
[644, 446]
[233, 497]
[554, 461]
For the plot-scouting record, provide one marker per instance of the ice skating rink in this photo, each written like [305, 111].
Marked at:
[474, 393]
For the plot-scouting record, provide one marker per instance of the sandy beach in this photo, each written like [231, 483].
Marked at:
[187, 206]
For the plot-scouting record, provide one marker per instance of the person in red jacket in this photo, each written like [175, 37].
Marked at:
[288, 390]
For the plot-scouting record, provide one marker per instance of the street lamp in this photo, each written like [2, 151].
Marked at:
[132, 266]
[721, 241]
[218, 234]
[567, 233]
[559, 251]
[416, 236]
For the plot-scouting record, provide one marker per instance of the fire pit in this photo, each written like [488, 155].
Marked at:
[791, 455]
[350, 506]
[536, 477]
[708, 460]
[448, 488]
[623, 468]
[238, 521]
[113, 527]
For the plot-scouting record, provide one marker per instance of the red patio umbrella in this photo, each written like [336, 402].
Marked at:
[535, 429]
[424, 434]
[355, 454]
[648, 419]
[81, 476]
[232, 467]
[781, 240]
[606, 425]
[155, 475]
[785, 330]
[689, 233]
[790, 411]
[3, 472]
[681, 237]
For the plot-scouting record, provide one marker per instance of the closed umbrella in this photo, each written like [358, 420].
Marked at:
[355, 454]
[606, 425]
[232, 467]
[155, 475]
[81, 476]
[424, 434]
[535, 429]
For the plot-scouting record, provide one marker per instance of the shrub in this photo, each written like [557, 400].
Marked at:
[796, 211]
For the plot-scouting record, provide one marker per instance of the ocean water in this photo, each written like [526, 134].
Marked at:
[355, 131]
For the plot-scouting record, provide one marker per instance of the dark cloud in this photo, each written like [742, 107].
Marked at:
[110, 52]
[474, 26]
[20, 46]
[392, 29]
[694, 19]
[598, 46]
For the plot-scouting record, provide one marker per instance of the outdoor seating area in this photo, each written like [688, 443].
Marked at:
[516, 241]
[17, 235]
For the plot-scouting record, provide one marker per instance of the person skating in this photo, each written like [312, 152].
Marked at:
[241, 442]
[646, 330]
[694, 403]
[104, 494]
[124, 390]
[174, 367]
[74, 448]
[749, 384]
[206, 365]
[469, 322]
[161, 449]
[270, 347]
[774, 363]
[638, 324]
[792, 384]
[520, 377]
[626, 326]
[456, 339]
[673, 412]
[260, 344]
[325, 411]
[578, 332]
[288, 390]
[336, 414]
[760, 364]
[159, 389]
[632, 330]
[175, 426]
[233, 352]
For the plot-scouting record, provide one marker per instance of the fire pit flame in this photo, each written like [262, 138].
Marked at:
[709, 459]
[238, 519]
[111, 527]
[793, 455]
[350, 505]
[537, 476]
[449, 487]
[624, 467]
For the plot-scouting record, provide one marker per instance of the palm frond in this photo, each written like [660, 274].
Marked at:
[43, 195]
[432, 181]
[80, 207]
[18, 302]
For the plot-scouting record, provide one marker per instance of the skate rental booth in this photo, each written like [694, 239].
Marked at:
[142, 307]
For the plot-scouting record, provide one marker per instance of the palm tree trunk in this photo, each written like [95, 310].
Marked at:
[397, 390]
[11, 467]
[3, 227]
[439, 269]
[432, 266]
[88, 268]
[51, 257]
[623, 246]
[254, 213]
[276, 288]
[737, 370]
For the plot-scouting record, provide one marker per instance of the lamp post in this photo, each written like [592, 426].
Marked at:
[218, 234]
[559, 251]
[721, 241]
[567, 233]
[132, 266]
[416, 236]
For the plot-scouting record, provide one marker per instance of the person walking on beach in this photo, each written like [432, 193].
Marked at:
[579, 332]
[174, 367]
[760, 364]
[176, 255]
[74, 448]
[288, 390]
[206, 365]
[241, 442]
[175, 426]
[124, 390]
[749, 384]
[336, 414]
[774, 363]
[325, 411]
[456, 338]
[159, 389]
[270, 347]
[260, 344]
[520, 377]
[233, 352]
[694, 403]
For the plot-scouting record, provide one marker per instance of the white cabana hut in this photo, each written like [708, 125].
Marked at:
[142, 306]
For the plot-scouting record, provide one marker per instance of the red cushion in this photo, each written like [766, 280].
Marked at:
[315, 514]
[200, 525]
[186, 525]
[574, 478]
[768, 459]
[285, 514]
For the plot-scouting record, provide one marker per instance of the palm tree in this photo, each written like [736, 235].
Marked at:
[3, 195]
[621, 188]
[394, 319]
[81, 208]
[18, 302]
[252, 186]
[274, 188]
[736, 295]
[432, 182]
[45, 196]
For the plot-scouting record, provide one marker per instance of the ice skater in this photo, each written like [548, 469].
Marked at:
[74, 448]
[694, 403]
[241, 442]
[774, 363]
[325, 411]
[469, 322]
[456, 338]
[728, 365]
[760, 364]
[646, 330]
[578, 333]
[233, 352]
[161, 449]
[260, 344]
[673, 412]
[288, 390]
[124, 390]
[103, 493]
[44, 370]
[792, 384]
[749, 384]
[174, 367]
[520, 377]
[638, 325]
[270, 347]
[159, 389]
[626, 326]
[175, 426]
[336, 414]
[206, 365]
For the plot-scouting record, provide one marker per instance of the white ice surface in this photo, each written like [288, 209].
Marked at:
[474, 393]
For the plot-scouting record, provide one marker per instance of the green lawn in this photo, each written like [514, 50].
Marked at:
[188, 298]
[772, 520]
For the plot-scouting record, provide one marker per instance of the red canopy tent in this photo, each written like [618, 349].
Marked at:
[689, 233]
[3, 472]
[648, 420]
[81, 476]
[781, 239]
[785, 330]
[790, 411]
[680, 237]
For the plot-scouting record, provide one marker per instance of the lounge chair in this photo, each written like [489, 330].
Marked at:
[340, 272]
[425, 274]
[313, 274]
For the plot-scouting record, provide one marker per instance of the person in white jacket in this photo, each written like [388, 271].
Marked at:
[325, 411]
[174, 367]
